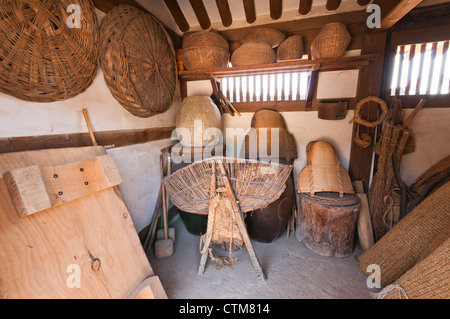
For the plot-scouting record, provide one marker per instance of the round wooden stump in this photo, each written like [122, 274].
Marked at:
[326, 223]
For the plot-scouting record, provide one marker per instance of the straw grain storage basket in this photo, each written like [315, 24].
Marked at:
[398, 250]
[256, 184]
[428, 279]
[271, 36]
[253, 53]
[138, 61]
[42, 59]
[323, 172]
[204, 39]
[197, 115]
[331, 42]
[291, 48]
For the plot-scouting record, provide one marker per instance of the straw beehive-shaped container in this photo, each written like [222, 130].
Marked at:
[197, 114]
[205, 50]
[271, 36]
[252, 53]
[291, 48]
[331, 42]
[138, 61]
[42, 57]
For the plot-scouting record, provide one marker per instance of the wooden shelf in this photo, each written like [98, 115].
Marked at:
[334, 64]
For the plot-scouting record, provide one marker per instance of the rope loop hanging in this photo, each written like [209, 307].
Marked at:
[380, 102]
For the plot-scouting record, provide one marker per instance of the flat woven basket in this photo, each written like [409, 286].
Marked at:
[400, 249]
[268, 35]
[256, 184]
[42, 57]
[138, 61]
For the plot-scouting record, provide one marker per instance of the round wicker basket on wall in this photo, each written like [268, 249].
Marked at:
[46, 56]
[138, 61]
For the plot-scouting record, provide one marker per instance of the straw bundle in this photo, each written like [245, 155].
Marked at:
[323, 172]
[331, 42]
[43, 58]
[252, 53]
[197, 115]
[271, 36]
[138, 61]
[428, 279]
[402, 246]
[256, 184]
[291, 48]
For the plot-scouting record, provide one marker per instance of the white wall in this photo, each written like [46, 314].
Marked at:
[138, 165]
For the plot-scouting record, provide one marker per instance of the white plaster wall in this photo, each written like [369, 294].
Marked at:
[431, 130]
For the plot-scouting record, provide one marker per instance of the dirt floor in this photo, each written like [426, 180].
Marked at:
[293, 272]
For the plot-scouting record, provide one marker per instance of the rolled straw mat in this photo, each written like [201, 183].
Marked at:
[400, 249]
[428, 279]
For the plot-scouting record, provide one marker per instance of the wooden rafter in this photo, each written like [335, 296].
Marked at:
[249, 8]
[201, 13]
[305, 7]
[363, 3]
[393, 10]
[333, 5]
[276, 9]
[225, 12]
[177, 15]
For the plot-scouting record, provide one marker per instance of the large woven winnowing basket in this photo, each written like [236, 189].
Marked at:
[43, 58]
[291, 48]
[398, 250]
[428, 279]
[331, 42]
[252, 53]
[138, 61]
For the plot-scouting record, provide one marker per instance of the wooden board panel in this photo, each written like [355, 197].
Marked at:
[93, 237]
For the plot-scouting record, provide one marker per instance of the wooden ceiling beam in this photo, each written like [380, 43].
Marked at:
[249, 8]
[333, 5]
[225, 12]
[201, 13]
[393, 10]
[276, 9]
[305, 7]
[363, 3]
[177, 15]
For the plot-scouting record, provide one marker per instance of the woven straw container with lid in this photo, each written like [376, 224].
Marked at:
[198, 117]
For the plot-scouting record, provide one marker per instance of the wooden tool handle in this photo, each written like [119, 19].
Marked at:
[414, 113]
[86, 118]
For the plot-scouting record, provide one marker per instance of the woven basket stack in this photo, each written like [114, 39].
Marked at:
[331, 42]
[205, 50]
[138, 61]
[43, 58]
[258, 47]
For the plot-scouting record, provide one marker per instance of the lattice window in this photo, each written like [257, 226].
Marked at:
[266, 87]
[421, 69]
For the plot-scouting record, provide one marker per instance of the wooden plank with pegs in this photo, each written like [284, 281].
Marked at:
[35, 188]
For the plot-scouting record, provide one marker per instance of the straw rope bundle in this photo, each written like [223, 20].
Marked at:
[331, 42]
[403, 245]
[256, 184]
[428, 279]
[138, 61]
[252, 53]
[291, 48]
[42, 57]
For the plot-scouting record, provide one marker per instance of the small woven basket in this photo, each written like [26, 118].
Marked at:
[331, 42]
[204, 39]
[291, 48]
[270, 36]
[138, 61]
[268, 118]
[42, 57]
[252, 53]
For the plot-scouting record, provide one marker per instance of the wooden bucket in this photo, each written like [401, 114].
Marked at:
[326, 223]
